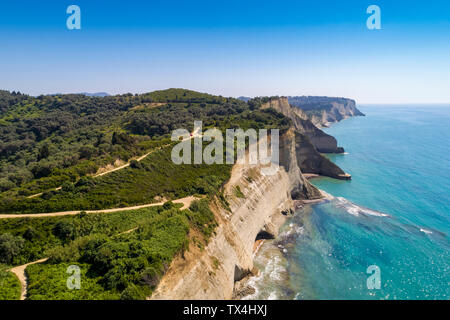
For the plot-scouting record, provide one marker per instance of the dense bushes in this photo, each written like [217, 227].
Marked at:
[10, 246]
[41, 234]
[126, 265]
[155, 176]
[51, 140]
[49, 282]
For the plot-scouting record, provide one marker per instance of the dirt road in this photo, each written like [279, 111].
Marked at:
[185, 201]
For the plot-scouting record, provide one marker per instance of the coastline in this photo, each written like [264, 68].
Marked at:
[244, 289]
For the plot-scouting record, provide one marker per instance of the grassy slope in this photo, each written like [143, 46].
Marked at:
[9, 285]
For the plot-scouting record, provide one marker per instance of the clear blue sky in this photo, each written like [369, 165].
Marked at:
[230, 47]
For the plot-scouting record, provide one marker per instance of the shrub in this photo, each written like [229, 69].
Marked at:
[64, 230]
[10, 246]
[135, 164]
[132, 292]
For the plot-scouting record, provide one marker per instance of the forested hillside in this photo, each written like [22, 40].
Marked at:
[51, 148]
[51, 141]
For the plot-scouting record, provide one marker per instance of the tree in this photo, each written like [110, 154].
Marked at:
[42, 169]
[44, 152]
[10, 247]
[135, 164]
[64, 230]
[87, 151]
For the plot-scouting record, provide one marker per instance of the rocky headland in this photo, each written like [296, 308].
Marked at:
[255, 213]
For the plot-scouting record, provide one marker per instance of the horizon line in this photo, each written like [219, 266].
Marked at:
[235, 96]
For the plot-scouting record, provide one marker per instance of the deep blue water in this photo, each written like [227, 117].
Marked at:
[394, 214]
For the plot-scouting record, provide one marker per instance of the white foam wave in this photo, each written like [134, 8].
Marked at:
[356, 210]
[273, 271]
[293, 229]
[425, 231]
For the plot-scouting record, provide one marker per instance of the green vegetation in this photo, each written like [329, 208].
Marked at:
[48, 142]
[26, 240]
[126, 265]
[9, 284]
[60, 140]
[237, 192]
[49, 282]
[132, 132]
[155, 176]
[121, 254]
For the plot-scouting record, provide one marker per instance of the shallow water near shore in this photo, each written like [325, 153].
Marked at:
[394, 214]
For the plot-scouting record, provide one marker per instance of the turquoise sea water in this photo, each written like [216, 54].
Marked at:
[394, 214]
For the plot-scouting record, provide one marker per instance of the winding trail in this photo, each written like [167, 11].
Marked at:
[105, 172]
[194, 134]
[19, 271]
[185, 201]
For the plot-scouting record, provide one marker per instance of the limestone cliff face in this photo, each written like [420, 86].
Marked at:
[259, 209]
[323, 111]
[291, 160]
[322, 141]
[259, 203]
[311, 161]
[309, 142]
[211, 273]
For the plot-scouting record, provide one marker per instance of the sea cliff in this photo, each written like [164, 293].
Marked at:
[322, 142]
[258, 204]
[257, 211]
[323, 111]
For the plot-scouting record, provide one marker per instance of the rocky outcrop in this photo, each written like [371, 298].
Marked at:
[322, 142]
[257, 211]
[311, 161]
[289, 160]
[309, 143]
[323, 111]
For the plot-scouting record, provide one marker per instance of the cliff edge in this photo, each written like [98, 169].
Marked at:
[255, 204]
[322, 141]
[323, 111]
[258, 204]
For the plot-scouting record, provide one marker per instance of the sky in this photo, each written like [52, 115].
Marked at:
[231, 48]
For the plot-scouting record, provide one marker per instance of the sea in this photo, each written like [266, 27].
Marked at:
[383, 235]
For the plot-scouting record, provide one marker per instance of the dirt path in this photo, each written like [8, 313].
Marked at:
[105, 172]
[185, 201]
[193, 135]
[19, 271]
[127, 164]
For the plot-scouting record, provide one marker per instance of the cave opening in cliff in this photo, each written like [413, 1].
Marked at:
[264, 235]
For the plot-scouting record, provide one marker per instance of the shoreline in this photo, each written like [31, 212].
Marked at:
[244, 285]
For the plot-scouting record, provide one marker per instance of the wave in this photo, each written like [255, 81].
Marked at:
[357, 210]
[425, 231]
[272, 275]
